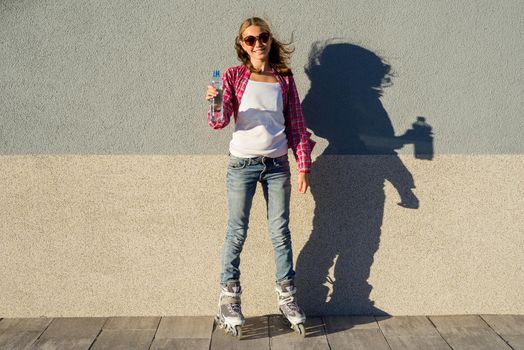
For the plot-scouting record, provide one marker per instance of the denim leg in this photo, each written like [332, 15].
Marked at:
[277, 192]
[241, 187]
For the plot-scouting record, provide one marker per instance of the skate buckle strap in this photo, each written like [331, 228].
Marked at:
[229, 300]
[231, 294]
[286, 301]
[283, 294]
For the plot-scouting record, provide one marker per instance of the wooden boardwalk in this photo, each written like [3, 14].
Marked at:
[476, 332]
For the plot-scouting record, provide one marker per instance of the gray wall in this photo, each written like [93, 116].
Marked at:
[128, 77]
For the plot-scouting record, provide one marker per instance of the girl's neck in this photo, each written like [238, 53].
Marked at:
[263, 66]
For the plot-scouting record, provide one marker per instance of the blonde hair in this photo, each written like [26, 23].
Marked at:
[279, 53]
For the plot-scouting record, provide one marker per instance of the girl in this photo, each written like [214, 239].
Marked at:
[262, 96]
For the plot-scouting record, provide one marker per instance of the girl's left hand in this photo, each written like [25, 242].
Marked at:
[303, 182]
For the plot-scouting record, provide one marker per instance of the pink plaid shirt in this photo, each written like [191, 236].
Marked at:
[234, 84]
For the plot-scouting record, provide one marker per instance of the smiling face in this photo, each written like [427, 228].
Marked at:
[260, 51]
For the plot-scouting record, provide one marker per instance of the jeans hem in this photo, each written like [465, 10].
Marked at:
[285, 279]
[226, 282]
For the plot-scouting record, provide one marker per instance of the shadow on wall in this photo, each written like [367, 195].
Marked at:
[343, 106]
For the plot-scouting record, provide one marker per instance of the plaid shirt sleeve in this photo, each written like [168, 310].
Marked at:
[216, 121]
[298, 137]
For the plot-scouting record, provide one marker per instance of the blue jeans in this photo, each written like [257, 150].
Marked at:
[243, 174]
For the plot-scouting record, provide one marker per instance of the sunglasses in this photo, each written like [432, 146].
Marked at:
[251, 40]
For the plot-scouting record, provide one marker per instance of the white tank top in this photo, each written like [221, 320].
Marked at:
[260, 125]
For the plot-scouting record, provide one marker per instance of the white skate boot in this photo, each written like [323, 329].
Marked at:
[229, 316]
[293, 315]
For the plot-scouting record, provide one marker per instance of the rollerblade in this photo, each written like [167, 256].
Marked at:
[293, 316]
[229, 316]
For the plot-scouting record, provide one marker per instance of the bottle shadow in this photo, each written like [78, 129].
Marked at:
[347, 180]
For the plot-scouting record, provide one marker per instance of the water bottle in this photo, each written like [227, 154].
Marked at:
[216, 102]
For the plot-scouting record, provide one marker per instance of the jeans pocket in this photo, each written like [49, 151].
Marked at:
[237, 163]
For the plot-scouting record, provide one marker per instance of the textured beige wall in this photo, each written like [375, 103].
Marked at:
[127, 235]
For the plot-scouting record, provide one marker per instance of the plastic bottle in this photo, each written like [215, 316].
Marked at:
[216, 102]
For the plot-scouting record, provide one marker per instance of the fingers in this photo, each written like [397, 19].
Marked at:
[302, 186]
[211, 92]
[303, 182]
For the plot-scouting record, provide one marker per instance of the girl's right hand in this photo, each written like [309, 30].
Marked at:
[211, 92]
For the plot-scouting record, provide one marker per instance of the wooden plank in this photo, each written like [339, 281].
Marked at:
[410, 333]
[70, 333]
[124, 339]
[132, 323]
[457, 323]
[20, 333]
[504, 324]
[256, 328]
[509, 327]
[18, 340]
[24, 324]
[181, 332]
[354, 333]
[255, 336]
[515, 341]
[180, 344]
[342, 323]
[406, 326]
[283, 337]
[468, 332]
[183, 327]
[407, 342]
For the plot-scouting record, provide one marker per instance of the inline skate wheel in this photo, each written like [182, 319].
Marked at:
[238, 332]
[234, 331]
[218, 322]
[300, 329]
